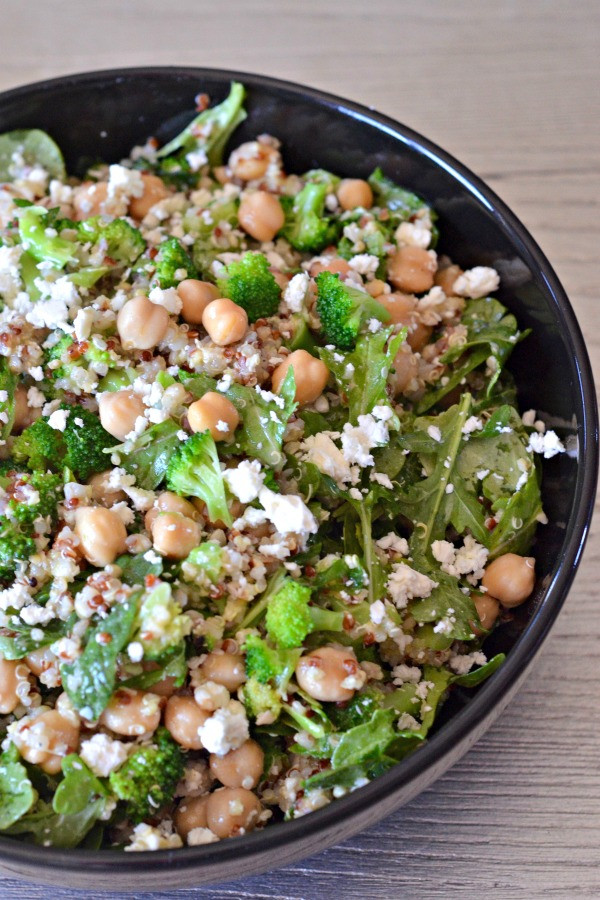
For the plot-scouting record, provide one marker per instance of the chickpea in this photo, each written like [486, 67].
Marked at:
[225, 321]
[89, 199]
[406, 367]
[510, 578]
[101, 533]
[311, 375]
[102, 492]
[239, 768]
[261, 216]
[403, 310]
[195, 296]
[232, 811]
[323, 672]
[45, 739]
[375, 288]
[353, 192]
[487, 609]
[446, 277]
[411, 269]
[174, 535]
[250, 161]
[337, 265]
[155, 190]
[168, 501]
[142, 324]
[119, 411]
[13, 673]
[227, 669]
[25, 414]
[215, 413]
[183, 718]
[190, 814]
[166, 686]
[132, 713]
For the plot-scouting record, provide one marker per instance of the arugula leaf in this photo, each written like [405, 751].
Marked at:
[516, 529]
[362, 374]
[149, 457]
[172, 665]
[363, 740]
[78, 803]
[17, 795]
[36, 147]
[447, 596]
[456, 377]
[440, 679]
[263, 421]
[17, 641]
[90, 679]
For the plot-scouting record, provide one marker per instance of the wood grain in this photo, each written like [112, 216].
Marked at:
[512, 90]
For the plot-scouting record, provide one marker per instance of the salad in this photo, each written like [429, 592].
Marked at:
[264, 486]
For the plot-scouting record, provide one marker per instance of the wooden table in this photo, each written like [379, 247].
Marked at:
[512, 89]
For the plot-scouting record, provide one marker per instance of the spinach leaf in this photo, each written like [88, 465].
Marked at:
[149, 457]
[172, 665]
[8, 382]
[17, 641]
[17, 795]
[36, 147]
[362, 374]
[364, 740]
[263, 421]
[90, 679]
[78, 803]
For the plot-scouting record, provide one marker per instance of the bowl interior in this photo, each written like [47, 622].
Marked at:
[100, 116]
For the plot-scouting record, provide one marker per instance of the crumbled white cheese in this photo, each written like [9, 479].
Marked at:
[199, 836]
[414, 234]
[358, 440]
[472, 424]
[288, 513]
[549, 444]
[210, 696]
[463, 663]
[10, 273]
[58, 419]
[320, 450]
[470, 559]
[481, 281]
[434, 432]
[146, 837]
[394, 543]
[124, 182]
[365, 264]
[404, 674]
[225, 730]
[405, 584]
[295, 293]
[35, 398]
[167, 298]
[103, 755]
[246, 480]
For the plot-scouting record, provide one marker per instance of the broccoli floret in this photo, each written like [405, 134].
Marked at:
[39, 447]
[147, 780]
[173, 264]
[260, 698]
[85, 440]
[264, 663]
[33, 223]
[70, 355]
[307, 227]
[14, 548]
[42, 488]
[250, 284]
[194, 471]
[122, 241]
[401, 203]
[203, 566]
[290, 619]
[343, 309]
[211, 129]
[160, 623]
[80, 446]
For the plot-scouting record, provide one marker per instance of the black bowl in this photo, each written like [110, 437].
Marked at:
[101, 115]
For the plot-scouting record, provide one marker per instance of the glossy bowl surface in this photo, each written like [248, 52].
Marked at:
[101, 115]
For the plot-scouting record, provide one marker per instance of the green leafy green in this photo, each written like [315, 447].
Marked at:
[17, 641]
[8, 382]
[17, 794]
[36, 147]
[90, 679]
[149, 457]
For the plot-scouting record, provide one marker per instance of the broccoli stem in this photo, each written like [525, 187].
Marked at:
[314, 728]
[326, 619]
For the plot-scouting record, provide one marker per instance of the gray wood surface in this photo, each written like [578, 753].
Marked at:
[512, 89]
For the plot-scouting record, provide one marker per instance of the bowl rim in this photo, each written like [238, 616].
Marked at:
[470, 718]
